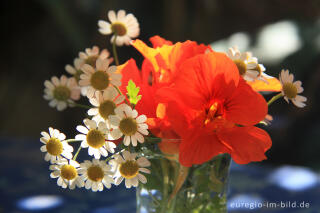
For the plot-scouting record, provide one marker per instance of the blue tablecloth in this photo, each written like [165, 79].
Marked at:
[25, 186]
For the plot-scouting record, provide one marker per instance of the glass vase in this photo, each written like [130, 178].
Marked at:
[173, 188]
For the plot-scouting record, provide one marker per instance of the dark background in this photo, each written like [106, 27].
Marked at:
[41, 36]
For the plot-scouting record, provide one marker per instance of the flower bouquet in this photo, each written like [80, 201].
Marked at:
[170, 128]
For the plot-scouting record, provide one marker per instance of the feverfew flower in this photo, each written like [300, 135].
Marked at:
[105, 104]
[247, 65]
[96, 174]
[128, 168]
[90, 56]
[55, 146]
[125, 27]
[67, 173]
[290, 89]
[94, 136]
[99, 78]
[61, 93]
[128, 124]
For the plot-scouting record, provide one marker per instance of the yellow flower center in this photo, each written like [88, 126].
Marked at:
[95, 173]
[290, 90]
[68, 172]
[242, 67]
[100, 80]
[54, 146]
[107, 108]
[95, 138]
[129, 169]
[119, 28]
[91, 60]
[128, 126]
[61, 93]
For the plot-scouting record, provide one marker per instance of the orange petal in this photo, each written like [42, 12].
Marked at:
[200, 148]
[273, 85]
[158, 41]
[150, 53]
[247, 144]
[246, 106]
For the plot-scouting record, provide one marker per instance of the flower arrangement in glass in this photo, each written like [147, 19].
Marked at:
[200, 106]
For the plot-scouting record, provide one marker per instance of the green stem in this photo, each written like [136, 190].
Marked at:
[274, 98]
[153, 198]
[81, 106]
[172, 206]
[165, 192]
[76, 155]
[152, 139]
[108, 158]
[72, 140]
[114, 49]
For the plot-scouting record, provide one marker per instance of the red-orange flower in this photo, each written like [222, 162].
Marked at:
[213, 110]
[158, 70]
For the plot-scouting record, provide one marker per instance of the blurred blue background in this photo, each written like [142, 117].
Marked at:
[42, 36]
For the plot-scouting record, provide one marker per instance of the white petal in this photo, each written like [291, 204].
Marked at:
[45, 135]
[128, 183]
[134, 181]
[143, 162]
[86, 68]
[144, 170]
[139, 137]
[142, 178]
[134, 114]
[112, 16]
[82, 129]
[118, 180]
[134, 140]
[43, 148]
[61, 105]
[143, 131]
[141, 119]
[93, 111]
[126, 140]
[114, 120]
[80, 137]
[116, 134]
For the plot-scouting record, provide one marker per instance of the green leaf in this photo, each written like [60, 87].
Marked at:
[132, 92]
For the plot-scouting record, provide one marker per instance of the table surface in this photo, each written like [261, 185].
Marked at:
[25, 186]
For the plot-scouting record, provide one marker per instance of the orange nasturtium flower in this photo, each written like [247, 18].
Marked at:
[196, 95]
[213, 110]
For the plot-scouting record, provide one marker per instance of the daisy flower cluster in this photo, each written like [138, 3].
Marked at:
[204, 100]
[111, 118]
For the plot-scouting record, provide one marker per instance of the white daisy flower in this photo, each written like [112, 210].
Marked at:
[290, 89]
[124, 26]
[96, 174]
[67, 173]
[105, 104]
[128, 124]
[128, 168]
[61, 93]
[247, 65]
[90, 56]
[94, 138]
[55, 146]
[99, 78]
[75, 70]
